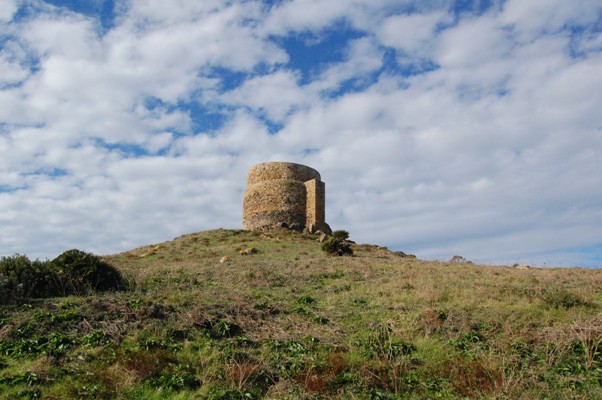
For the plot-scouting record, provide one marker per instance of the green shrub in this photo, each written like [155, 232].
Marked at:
[22, 278]
[79, 272]
[340, 234]
[336, 247]
[73, 272]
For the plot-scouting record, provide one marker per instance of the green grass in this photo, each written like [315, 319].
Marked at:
[290, 322]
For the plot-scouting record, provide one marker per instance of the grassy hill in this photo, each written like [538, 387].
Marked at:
[200, 320]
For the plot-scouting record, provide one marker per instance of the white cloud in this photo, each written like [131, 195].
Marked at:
[72, 37]
[305, 15]
[492, 155]
[535, 17]
[410, 33]
[473, 42]
[8, 8]
[13, 68]
[276, 94]
[362, 57]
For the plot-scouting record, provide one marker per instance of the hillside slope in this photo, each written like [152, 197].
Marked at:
[200, 320]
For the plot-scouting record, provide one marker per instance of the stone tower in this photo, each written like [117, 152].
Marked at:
[281, 194]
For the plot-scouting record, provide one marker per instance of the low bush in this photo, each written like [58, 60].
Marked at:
[340, 234]
[336, 247]
[73, 272]
[79, 272]
[22, 278]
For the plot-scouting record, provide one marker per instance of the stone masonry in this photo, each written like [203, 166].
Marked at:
[281, 194]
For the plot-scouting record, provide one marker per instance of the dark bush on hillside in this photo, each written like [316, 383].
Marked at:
[22, 278]
[336, 247]
[340, 235]
[78, 272]
[73, 272]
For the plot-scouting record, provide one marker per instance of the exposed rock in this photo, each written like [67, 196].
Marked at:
[224, 259]
[522, 266]
[248, 251]
[150, 251]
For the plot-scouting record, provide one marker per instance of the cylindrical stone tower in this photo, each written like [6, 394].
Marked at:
[281, 194]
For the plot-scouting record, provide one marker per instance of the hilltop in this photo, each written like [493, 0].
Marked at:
[203, 318]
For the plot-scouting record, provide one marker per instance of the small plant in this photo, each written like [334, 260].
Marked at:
[56, 344]
[25, 378]
[336, 247]
[224, 329]
[565, 299]
[306, 300]
[590, 337]
[340, 235]
[381, 343]
[93, 339]
[177, 377]
[467, 341]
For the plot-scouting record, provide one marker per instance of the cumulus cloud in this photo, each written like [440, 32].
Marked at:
[276, 94]
[438, 130]
[411, 33]
[8, 8]
[533, 18]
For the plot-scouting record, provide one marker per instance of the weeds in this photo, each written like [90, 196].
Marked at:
[56, 344]
[564, 299]
[290, 322]
[380, 342]
[590, 337]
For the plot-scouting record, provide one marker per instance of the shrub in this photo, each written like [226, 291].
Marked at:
[79, 272]
[73, 272]
[22, 278]
[336, 247]
[340, 234]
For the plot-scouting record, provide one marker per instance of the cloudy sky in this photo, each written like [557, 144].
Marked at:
[444, 127]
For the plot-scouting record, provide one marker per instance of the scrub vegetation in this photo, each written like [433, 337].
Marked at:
[196, 318]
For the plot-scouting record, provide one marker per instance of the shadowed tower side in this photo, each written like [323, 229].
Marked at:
[281, 194]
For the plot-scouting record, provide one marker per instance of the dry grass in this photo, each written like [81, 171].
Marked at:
[291, 322]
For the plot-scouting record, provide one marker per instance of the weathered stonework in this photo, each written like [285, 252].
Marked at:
[281, 194]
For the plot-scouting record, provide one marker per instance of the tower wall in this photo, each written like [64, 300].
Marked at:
[281, 194]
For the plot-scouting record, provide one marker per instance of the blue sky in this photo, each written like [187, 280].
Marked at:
[441, 128]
